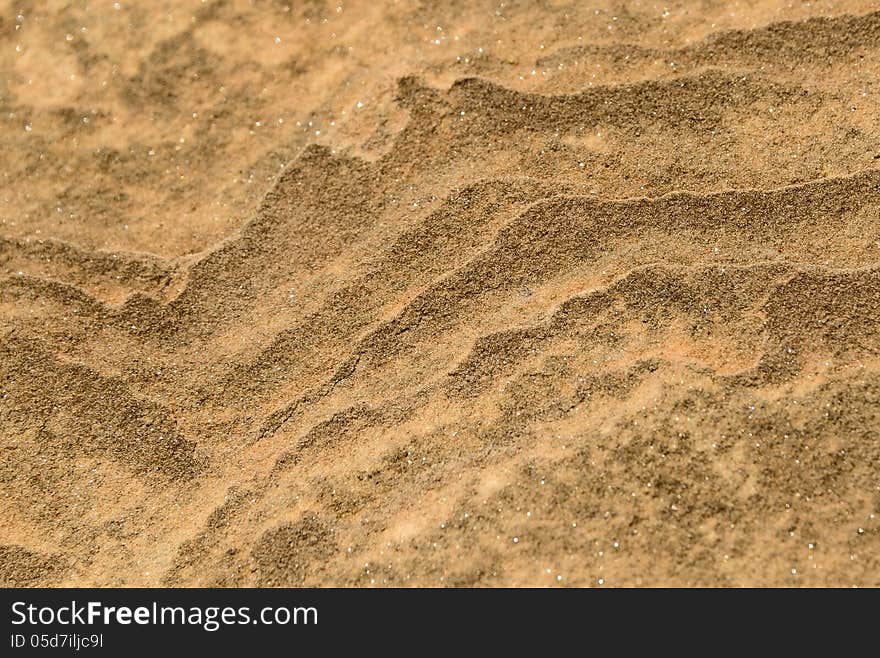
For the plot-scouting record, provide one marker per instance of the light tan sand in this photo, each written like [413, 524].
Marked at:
[440, 293]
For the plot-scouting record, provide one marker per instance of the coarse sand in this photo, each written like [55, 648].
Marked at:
[457, 293]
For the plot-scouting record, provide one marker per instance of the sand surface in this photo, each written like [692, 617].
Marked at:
[440, 293]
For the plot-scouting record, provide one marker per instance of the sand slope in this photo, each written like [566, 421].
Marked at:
[440, 294]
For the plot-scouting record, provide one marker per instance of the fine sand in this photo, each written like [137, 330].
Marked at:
[440, 293]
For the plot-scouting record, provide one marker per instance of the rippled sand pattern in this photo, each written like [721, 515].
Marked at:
[440, 293]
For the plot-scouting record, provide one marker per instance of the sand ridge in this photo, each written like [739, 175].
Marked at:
[612, 323]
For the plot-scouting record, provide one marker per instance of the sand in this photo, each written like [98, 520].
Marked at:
[440, 294]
